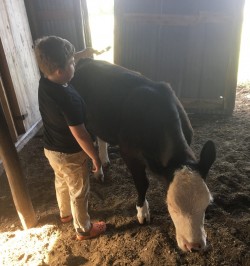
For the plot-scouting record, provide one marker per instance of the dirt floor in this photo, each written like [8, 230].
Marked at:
[126, 242]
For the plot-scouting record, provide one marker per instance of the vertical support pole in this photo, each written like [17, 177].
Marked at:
[12, 166]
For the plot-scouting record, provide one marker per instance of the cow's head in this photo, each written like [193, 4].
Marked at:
[187, 199]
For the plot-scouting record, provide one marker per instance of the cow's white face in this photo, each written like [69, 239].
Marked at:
[187, 199]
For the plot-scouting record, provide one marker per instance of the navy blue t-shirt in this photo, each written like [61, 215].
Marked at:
[60, 107]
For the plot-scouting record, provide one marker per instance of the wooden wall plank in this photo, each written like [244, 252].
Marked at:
[17, 45]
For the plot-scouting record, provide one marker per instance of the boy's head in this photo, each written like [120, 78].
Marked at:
[53, 53]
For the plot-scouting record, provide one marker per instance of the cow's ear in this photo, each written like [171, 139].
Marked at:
[207, 158]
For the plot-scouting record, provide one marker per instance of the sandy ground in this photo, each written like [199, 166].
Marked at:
[126, 242]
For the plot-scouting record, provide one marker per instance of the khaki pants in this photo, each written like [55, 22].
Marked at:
[72, 186]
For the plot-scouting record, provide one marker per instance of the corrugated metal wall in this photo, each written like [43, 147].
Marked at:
[63, 18]
[194, 45]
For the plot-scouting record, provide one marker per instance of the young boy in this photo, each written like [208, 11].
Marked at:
[67, 143]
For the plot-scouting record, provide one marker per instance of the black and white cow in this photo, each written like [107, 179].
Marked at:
[149, 124]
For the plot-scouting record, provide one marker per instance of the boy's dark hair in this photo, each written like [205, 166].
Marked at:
[52, 53]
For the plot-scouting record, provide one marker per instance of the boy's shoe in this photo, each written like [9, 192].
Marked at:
[66, 219]
[96, 229]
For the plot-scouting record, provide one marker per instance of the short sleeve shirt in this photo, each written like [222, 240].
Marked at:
[60, 107]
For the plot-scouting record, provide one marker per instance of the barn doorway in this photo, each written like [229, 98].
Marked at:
[101, 19]
[101, 22]
[165, 48]
[244, 60]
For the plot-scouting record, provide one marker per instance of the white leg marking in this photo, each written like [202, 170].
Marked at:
[143, 212]
[103, 152]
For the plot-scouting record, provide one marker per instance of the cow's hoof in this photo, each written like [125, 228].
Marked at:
[99, 176]
[106, 165]
[144, 220]
[143, 213]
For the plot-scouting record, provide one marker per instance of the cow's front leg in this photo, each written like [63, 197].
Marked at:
[138, 172]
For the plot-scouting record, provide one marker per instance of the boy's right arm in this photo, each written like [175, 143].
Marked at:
[82, 136]
[89, 52]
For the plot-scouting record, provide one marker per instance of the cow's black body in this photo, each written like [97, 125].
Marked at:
[143, 117]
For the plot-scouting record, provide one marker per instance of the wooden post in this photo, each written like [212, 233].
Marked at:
[12, 166]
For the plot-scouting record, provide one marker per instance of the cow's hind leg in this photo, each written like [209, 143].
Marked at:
[138, 172]
[103, 152]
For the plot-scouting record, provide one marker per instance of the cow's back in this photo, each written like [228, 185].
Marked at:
[152, 125]
[104, 88]
[125, 108]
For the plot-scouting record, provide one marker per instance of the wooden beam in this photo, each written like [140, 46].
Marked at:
[7, 111]
[180, 20]
[13, 170]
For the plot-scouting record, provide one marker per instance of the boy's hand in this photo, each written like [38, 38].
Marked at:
[98, 174]
[89, 51]
[102, 51]
[96, 165]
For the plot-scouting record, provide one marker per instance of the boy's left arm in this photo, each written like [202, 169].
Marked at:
[82, 136]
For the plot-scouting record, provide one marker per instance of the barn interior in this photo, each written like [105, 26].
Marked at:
[202, 49]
